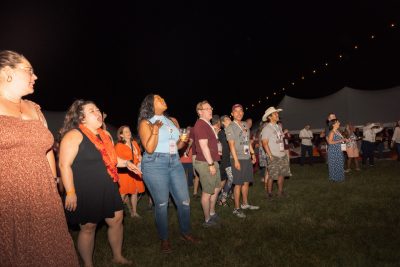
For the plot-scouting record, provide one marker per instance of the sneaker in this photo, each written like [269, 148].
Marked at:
[249, 207]
[209, 224]
[238, 213]
[214, 218]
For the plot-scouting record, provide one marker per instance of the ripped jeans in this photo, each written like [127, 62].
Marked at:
[163, 174]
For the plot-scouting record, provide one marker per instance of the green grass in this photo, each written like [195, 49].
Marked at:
[354, 223]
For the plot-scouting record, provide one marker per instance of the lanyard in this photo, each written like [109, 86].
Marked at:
[212, 128]
[277, 130]
[170, 129]
[243, 129]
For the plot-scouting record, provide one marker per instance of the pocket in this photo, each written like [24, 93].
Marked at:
[148, 158]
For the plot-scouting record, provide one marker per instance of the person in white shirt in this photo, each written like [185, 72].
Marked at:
[368, 143]
[306, 137]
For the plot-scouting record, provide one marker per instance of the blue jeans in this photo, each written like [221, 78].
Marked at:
[163, 174]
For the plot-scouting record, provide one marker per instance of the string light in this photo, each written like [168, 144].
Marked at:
[314, 71]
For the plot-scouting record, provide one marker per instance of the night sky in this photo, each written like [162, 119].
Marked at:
[190, 51]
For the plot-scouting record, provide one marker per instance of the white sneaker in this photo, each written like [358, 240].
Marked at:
[249, 207]
[238, 213]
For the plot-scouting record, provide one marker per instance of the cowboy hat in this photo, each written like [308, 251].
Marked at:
[269, 111]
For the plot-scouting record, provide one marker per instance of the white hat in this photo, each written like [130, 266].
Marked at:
[269, 111]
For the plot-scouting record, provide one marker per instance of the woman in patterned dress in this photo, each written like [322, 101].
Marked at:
[335, 153]
[33, 229]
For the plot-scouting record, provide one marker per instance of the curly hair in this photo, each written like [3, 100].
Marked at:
[146, 110]
[74, 116]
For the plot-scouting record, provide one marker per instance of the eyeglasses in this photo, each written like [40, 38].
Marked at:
[28, 70]
[207, 109]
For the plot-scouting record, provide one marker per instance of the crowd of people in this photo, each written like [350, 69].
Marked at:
[217, 154]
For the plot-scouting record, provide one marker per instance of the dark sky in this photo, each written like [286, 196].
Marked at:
[190, 51]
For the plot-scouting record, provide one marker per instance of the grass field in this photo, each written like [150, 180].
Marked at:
[354, 223]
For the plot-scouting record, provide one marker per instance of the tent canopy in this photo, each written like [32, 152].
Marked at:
[350, 105]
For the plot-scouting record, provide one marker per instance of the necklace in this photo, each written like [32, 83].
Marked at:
[14, 103]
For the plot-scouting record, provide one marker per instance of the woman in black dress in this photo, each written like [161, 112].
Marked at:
[88, 165]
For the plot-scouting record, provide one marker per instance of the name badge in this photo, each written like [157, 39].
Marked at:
[281, 147]
[172, 147]
[343, 147]
[219, 148]
[246, 149]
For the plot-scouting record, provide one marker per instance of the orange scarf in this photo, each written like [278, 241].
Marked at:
[106, 149]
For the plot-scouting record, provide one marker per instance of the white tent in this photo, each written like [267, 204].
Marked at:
[349, 105]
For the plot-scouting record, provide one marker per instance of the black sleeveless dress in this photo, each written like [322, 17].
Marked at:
[97, 194]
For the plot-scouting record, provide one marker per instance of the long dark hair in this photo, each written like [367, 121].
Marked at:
[146, 110]
[74, 116]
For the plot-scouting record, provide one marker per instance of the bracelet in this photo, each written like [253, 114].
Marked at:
[71, 192]
[210, 164]
[252, 154]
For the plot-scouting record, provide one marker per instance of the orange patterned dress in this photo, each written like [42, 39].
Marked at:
[33, 229]
[129, 182]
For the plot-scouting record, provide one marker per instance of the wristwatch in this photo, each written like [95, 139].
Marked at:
[210, 164]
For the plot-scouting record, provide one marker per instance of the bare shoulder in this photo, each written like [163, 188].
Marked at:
[73, 136]
[31, 106]
[144, 123]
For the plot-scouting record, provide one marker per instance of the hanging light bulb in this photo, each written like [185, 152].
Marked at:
[302, 77]
[314, 71]
[326, 64]
[372, 36]
[356, 47]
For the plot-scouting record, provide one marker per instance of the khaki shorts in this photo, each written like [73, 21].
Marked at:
[208, 182]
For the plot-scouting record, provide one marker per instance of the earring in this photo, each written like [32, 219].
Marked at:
[9, 78]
